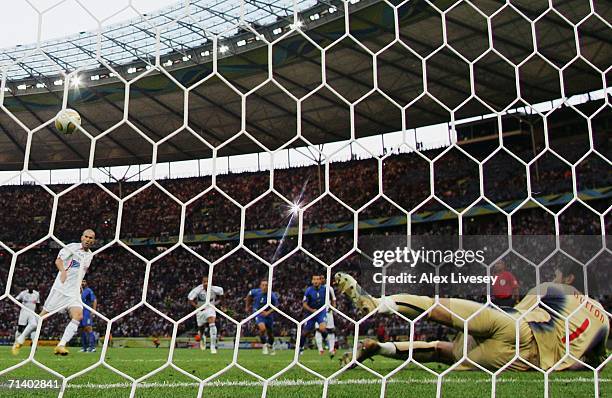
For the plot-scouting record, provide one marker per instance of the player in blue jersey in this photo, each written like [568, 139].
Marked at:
[314, 303]
[255, 300]
[88, 339]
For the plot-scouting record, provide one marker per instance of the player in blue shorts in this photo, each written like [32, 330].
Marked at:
[255, 300]
[88, 339]
[314, 303]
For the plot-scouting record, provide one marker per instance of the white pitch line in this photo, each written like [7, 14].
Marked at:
[175, 360]
[300, 382]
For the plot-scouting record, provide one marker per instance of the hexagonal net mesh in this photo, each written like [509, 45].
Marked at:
[441, 127]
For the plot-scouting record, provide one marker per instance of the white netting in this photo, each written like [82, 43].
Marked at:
[466, 65]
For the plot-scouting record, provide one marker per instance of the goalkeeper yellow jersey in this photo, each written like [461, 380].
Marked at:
[587, 332]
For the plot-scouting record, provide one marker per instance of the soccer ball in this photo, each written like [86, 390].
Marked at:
[67, 121]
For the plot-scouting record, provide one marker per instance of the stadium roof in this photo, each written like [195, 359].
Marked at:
[34, 80]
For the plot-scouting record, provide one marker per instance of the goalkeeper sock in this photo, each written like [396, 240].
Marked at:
[84, 340]
[319, 340]
[70, 330]
[213, 334]
[388, 350]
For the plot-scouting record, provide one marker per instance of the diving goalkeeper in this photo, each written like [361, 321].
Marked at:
[492, 333]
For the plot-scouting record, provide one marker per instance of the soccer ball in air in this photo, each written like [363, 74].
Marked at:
[67, 121]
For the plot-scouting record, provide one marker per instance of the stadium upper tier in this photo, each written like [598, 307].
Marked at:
[489, 53]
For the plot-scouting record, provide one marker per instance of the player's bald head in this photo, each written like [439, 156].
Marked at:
[88, 237]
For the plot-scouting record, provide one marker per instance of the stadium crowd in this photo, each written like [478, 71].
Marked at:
[27, 209]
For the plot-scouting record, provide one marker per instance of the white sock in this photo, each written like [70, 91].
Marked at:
[387, 349]
[70, 330]
[386, 305]
[319, 340]
[331, 341]
[26, 332]
[213, 334]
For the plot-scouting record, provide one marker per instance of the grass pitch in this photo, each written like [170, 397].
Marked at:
[101, 382]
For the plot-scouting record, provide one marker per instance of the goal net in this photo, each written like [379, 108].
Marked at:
[389, 174]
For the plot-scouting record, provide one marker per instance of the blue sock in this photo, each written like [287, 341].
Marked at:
[84, 340]
[303, 341]
[92, 340]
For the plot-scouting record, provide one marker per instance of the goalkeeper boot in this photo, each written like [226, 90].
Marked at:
[15, 349]
[366, 350]
[60, 350]
[349, 286]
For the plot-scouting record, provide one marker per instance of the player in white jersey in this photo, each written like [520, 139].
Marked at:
[330, 326]
[29, 298]
[72, 263]
[206, 314]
